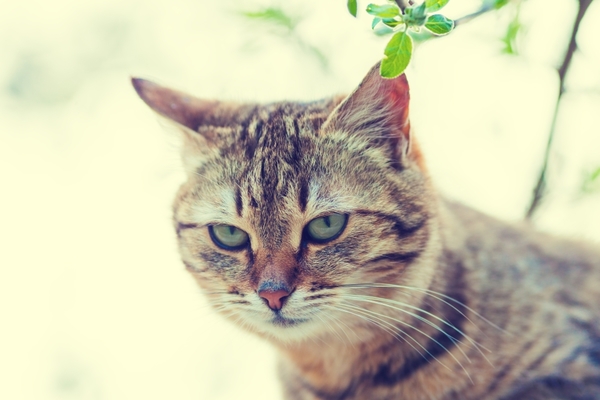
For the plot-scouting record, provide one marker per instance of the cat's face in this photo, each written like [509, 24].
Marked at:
[290, 208]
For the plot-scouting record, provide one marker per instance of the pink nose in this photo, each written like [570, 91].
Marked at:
[274, 298]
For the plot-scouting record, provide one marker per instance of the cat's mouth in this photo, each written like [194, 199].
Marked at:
[284, 322]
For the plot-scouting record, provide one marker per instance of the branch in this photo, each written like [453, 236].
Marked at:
[402, 4]
[484, 9]
[541, 186]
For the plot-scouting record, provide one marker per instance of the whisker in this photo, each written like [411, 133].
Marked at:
[338, 322]
[371, 320]
[312, 306]
[328, 326]
[396, 332]
[422, 333]
[215, 292]
[435, 295]
[316, 312]
[242, 302]
[453, 339]
[208, 308]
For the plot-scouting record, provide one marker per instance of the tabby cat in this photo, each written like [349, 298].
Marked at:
[316, 226]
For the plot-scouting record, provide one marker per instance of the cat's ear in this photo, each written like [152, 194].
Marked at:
[185, 110]
[195, 118]
[378, 111]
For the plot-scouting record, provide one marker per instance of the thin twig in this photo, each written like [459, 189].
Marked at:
[484, 9]
[541, 186]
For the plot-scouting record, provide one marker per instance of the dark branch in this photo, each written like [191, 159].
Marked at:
[541, 186]
[402, 4]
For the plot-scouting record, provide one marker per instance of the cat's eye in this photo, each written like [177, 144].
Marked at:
[324, 229]
[228, 237]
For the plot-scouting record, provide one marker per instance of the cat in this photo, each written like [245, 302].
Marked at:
[316, 226]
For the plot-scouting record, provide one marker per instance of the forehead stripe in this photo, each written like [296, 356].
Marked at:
[238, 201]
[303, 194]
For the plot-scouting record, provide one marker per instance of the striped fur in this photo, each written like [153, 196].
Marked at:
[418, 298]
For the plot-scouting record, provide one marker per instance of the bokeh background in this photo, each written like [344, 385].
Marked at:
[94, 302]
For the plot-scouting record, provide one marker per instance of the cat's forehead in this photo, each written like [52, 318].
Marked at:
[270, 126]
[272, 151]
[271, 171]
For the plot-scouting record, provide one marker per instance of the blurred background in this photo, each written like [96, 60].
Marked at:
[94, 302]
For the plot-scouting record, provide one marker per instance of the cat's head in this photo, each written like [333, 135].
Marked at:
[289, 209]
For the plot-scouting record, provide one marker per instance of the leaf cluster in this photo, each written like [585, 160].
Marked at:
[403, 24]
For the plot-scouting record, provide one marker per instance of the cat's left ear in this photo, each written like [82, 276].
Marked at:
[378, 111]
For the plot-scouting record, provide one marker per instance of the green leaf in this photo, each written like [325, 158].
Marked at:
[383, 30]
[513, 30]
[375, 22]
[438, 24]
[392, 23]
[352, 7]
[397, 55]
[500, 3]
[384, 11]
[435, 5]
[415, 16]
[419, 11]
[510, 37]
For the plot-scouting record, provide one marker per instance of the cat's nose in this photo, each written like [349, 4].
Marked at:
[274, 298]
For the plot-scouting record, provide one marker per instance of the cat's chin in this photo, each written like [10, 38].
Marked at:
[284, 322]
[285, 330]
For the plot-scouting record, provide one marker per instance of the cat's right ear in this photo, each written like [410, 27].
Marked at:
[184, 113]
[181, 108]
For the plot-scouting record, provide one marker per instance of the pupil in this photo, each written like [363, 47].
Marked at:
[327, 221]
[231, 230]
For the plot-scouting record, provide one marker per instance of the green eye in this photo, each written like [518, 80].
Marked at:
[326, 228]
[228, 237]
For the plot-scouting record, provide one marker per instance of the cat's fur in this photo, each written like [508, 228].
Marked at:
[419, 298]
